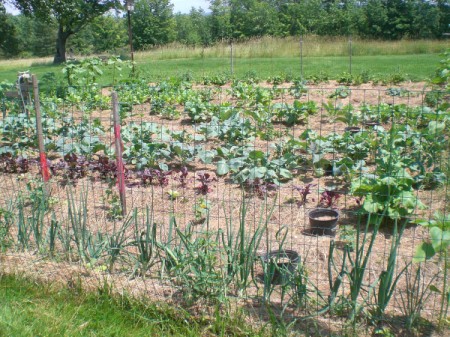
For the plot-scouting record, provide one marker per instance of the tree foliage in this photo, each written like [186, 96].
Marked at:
[86, 28]
[8, 34]
[70, 15]
[153, 23]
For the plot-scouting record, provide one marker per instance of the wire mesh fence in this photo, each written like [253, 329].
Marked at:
[291, 201]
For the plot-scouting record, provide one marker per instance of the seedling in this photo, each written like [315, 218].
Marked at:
[304, 192]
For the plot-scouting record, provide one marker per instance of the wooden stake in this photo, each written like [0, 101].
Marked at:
[37, 108]
[118, 147]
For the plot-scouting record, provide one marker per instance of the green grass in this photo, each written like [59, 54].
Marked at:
[29, 308]
[267, 57]
[415, 67]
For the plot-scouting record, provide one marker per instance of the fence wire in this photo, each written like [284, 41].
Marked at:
[294, 200]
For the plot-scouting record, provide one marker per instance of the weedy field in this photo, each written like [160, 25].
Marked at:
[320, 202]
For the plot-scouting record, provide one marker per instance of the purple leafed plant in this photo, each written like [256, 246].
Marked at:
[182, 178]
[10, 164]
[328, 199]
[204, 179]
[106, 167]
[304, 191]
[261, 187]
[76, 167]
[148, 176]
[57, 166]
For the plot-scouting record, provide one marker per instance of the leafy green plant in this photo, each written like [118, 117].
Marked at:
[192, 265]
[198, 110]
[348, 115]
[390, 187]
[201, 210]
[276, 80]
[393, 193]
[234, 129]
[397, 77]
[6, 223]
[345, 78]
[340, 92]
[320, 77]
[400, 92]
[255, 164]
[298, 88]
[443, 71]
[112, 204]
[296, 113]
[347, 235]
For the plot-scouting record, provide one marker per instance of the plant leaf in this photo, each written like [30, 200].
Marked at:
[423, 252]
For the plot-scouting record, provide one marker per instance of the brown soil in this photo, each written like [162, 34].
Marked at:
[225, 200]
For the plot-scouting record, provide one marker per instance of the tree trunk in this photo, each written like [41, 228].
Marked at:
[60, 55]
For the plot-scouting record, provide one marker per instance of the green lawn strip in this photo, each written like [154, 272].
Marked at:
[29, 308]
[416, 67]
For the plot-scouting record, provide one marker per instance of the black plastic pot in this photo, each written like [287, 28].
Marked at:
[323, 221]
[280, 265]
[353, 129]
[371, 123]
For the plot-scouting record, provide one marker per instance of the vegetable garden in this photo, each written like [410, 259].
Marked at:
[202, 193]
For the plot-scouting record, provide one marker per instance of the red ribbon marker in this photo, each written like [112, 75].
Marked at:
[44, 167]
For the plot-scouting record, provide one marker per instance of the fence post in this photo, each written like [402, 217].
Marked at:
[37, 108]
[350, 53]
[301, 56]
[118, 148]
[231, 58]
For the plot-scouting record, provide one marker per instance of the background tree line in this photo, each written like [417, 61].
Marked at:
[154, 23]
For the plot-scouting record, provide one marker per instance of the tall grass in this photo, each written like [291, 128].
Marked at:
[313, 46]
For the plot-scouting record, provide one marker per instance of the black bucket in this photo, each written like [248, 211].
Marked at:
[323, 221]
[280, 265]
[353, 129]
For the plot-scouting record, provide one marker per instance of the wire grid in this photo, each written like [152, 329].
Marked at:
[166, 123]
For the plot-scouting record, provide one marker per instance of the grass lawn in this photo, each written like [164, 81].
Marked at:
[29, 308]
[414, 66]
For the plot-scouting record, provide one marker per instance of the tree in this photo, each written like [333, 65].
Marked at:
[36, 38]
[153, 23]
[251, 18]
[220, 19]
[193, 28]
[8, 35]
[70, 15]
[107, 33]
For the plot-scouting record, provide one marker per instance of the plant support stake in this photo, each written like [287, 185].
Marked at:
[37, 108]
[118, 147]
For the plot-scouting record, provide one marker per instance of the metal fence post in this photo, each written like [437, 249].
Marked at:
[350, 53]
[301, 56]
[231, 58]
